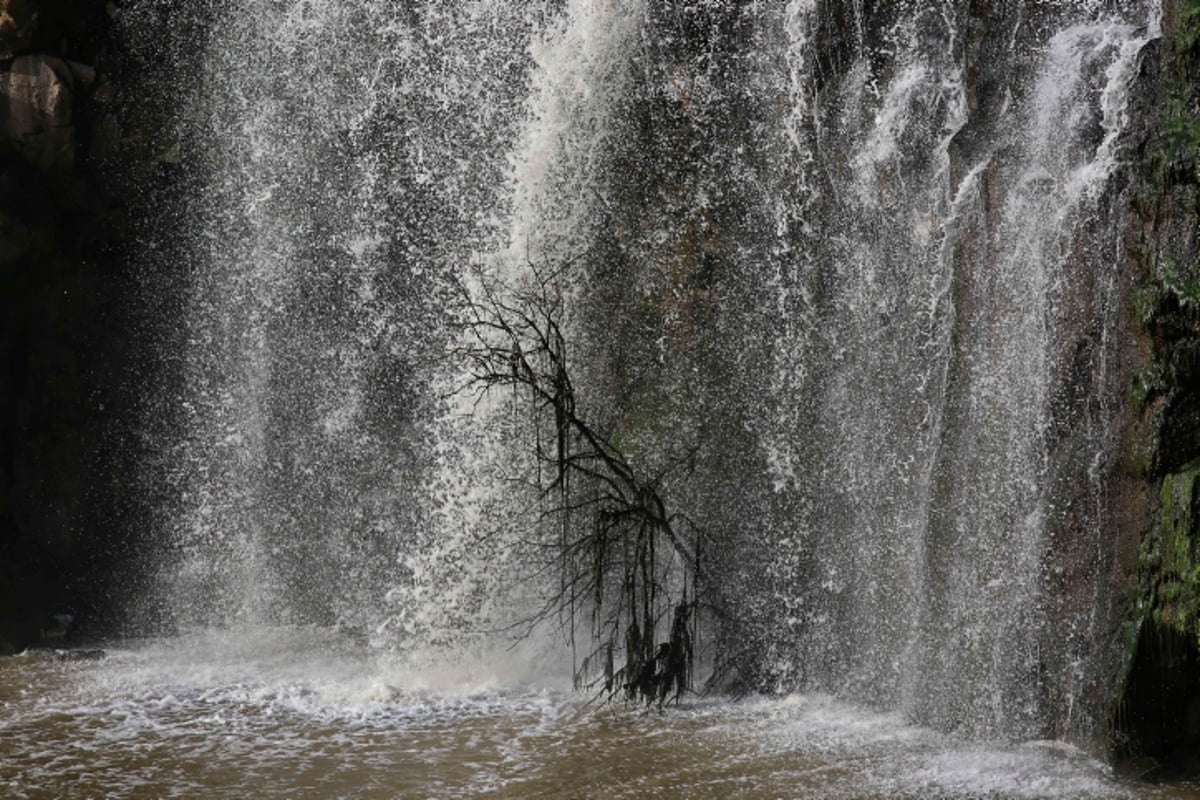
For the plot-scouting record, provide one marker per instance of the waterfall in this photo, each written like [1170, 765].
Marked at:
[861, 256]
[352, 155]
[961, 266]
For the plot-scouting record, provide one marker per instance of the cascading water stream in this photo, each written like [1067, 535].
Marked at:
[349, 151]
[861, 266]
[953, 295]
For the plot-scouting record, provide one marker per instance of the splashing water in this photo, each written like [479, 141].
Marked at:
[301, 713]
[861, 256]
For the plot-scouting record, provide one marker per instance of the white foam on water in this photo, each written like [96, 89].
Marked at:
[306, 713]
[872, 754]
[1032, 770]
[319, 671]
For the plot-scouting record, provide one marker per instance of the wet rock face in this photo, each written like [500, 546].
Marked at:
[1156, 720]
[86, 99]
[1160, 716]
[36, 100]
[17, 22]
[58, 256]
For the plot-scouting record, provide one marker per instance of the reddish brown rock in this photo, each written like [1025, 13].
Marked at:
[17, 21]
[36, 95]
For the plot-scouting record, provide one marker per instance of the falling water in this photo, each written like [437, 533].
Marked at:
[355, 155]
[863, 259]
[961, 238]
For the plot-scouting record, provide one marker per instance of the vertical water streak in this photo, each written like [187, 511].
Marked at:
[1025, 315]
[353, 155]
[954, 206]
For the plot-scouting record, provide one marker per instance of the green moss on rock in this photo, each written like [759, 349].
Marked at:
[1169, 575]
[1156, 719]
[1156, 726]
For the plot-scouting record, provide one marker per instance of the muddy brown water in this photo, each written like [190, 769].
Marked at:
[279, 718]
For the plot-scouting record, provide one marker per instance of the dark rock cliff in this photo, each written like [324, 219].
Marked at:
[84, 172]
[1156, 719]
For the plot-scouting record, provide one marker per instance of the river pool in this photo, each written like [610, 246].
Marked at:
[275, 715]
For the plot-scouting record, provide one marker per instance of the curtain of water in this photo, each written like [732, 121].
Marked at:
[962, 238]
[355, 155]
[856, 256]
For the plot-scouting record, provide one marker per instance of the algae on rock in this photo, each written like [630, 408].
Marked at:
[1156, 719]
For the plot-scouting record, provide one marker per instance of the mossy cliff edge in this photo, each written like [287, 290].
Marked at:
[1156, 719]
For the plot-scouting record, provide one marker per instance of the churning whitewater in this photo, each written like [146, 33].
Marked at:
[296, 713]
[841, 280]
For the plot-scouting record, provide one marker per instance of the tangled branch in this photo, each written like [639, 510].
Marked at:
[624, 561]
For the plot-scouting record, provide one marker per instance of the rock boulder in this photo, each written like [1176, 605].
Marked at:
[17, 21]
[36, 96]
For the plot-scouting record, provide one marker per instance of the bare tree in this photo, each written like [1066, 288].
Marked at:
[628, 566]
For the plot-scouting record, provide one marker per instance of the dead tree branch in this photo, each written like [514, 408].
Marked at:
[625, 562]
